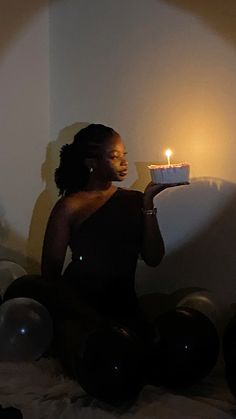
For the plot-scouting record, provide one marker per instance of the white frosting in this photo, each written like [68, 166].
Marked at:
[174, 173]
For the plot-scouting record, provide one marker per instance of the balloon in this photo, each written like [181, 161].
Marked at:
[28, 286]
[229, 342]
[229, 354]
[186, 347]
[109, 364]
[26, 330]
[230, 375]
[9, 271]
[10, 413]
[203, 301]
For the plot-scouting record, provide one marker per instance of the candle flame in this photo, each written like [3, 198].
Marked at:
[168, 153]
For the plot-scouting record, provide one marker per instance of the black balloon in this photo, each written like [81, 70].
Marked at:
[229, 343]
[109, 364]
[9, 271]
[186, 348]
[23, 286]
[230, 375]
[229, 353]
[31, 286]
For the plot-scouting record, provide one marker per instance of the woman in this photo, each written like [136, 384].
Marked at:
[106, 227]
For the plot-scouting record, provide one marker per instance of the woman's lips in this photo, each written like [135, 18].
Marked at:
[123, 172]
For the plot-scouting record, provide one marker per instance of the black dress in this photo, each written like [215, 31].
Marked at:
[98, 286]
[102, 270]
[99, 283]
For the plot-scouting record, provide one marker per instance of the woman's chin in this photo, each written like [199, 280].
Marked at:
[122, 175]
[120, 178]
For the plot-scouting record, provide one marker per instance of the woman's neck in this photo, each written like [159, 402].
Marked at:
[97, 186]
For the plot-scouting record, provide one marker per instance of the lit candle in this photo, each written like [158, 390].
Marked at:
[168, 153]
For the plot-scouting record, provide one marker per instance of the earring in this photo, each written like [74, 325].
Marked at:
[91, 170]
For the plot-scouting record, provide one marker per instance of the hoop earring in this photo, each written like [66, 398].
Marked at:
[91, 170]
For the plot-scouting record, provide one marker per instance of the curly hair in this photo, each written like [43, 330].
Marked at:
[72, 173]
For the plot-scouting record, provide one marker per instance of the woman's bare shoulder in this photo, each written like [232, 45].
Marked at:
[67, 205]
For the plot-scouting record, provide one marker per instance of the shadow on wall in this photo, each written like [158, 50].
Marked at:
[14, 16]
[198, 223]
[48, 197]
[219, 15]
[10, 240]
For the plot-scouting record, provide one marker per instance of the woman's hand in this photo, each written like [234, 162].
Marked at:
[153, 189]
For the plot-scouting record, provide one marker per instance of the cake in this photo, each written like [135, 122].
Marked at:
[171, 173]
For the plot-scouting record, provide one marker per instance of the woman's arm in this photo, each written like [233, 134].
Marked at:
[55, 243]
[153, 248]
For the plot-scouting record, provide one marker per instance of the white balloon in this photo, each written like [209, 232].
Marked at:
[26, 330]
[181, 219]
[9, 271]
[203, 301]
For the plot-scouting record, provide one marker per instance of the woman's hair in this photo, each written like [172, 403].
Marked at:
[72, 173]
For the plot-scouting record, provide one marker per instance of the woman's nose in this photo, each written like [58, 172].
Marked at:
[124, 162]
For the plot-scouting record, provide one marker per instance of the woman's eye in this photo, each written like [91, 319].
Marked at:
[118, 157]
[114, 157]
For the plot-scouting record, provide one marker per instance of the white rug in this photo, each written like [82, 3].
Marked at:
[41, 391]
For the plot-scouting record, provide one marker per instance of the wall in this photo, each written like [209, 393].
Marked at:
[24, 120]
[162, 73]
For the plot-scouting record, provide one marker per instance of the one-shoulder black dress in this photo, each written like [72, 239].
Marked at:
[102, 270]
[100, 278]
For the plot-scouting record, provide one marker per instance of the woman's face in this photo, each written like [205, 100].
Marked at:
[113, 161]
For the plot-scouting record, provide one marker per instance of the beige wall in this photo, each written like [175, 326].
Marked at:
[24, 119]
[162, 73]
